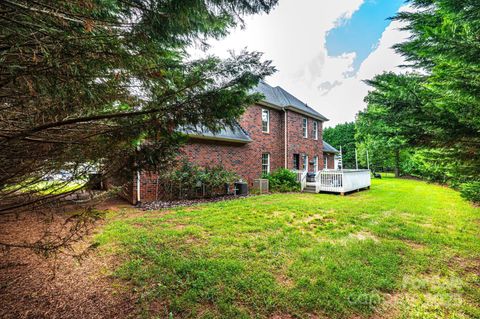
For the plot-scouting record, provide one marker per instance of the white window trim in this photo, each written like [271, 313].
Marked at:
[315, 163]
[315, 127]
[325, 162]
[268, 163]
[305, 127]
[268, 120]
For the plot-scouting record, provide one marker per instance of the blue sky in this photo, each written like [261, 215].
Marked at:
[361, 33]
[324, 49]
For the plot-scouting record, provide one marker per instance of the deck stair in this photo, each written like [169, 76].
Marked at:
[310, 188]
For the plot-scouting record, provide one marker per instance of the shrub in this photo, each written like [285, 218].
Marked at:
[190, 181]
[471, 191]
[283, 180]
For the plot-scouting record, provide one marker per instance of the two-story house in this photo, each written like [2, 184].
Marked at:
[279, 131]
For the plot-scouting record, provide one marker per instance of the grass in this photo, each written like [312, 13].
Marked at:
[404, 249]
[48, 187]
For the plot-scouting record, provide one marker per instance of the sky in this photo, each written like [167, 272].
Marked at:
[323, 49]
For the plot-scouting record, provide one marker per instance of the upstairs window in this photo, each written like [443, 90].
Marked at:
[305, 127]
[265, 121]
[265, 163]
[315, 130]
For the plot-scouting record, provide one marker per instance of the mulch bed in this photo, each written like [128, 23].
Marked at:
[156, 205]
[62, 287]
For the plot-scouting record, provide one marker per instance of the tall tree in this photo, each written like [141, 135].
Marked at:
[342, 136]
[83, 82]
[438, 108]
[390, 122]
[445, 45]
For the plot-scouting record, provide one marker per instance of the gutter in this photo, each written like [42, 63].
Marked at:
[320, 118]
[215, 138]
[293, 108]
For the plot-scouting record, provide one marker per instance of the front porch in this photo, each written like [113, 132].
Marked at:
[334, 181]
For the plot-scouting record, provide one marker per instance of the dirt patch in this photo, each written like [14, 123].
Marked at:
[62, 287]
[467, 265]
[284, 280]
[389, 309]
[363, 236]
[189, 202]
[413, 244]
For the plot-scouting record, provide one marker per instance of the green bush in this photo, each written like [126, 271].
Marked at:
[192, 181]
[471, 191]
[283, 180]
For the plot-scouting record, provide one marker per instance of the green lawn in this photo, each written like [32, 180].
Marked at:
[404, 249]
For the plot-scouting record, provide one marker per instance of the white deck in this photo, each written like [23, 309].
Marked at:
[336, 181]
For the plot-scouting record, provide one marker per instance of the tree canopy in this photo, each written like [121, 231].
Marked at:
[84, 82]
[342, 136]
[436, 109]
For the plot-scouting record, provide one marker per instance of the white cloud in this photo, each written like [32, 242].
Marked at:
[294, 37]
[345, 100]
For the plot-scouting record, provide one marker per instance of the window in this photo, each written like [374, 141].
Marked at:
[296, 161]
[265, 163]
[325, 162]
[305, 162]
[315, 130]
[265, 121]
[315, 163]
[305, 127]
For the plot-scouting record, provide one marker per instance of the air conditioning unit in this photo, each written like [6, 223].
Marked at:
[261, 184]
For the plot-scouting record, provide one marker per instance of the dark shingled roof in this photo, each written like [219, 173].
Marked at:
[329, 148]
[275, 96]
[279, 97]
[233, 133]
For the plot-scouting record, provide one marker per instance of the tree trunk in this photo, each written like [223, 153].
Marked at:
[397, 163]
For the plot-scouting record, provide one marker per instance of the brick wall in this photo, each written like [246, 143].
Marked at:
[330, 160]
[246, 159]
[297, 144]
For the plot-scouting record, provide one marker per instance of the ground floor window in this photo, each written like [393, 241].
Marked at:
[315, 163]
[265, 163]
[296, 161]
[305, 162]
[325, 162]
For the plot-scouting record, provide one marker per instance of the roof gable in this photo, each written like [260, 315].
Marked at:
[234, 133]
[329, 148]
[279, 97]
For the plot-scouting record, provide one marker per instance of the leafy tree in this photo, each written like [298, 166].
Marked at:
[342, 136]
[436, 111]
[445, 46]
[389, 123]
[84, 82]
[102, 85]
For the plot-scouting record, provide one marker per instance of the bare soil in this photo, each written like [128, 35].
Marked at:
[32, 286]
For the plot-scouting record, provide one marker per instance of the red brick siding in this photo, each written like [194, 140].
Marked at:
[297, 144]
[246, 159]
[330, 160]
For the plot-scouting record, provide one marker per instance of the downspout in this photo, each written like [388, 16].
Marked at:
[138, 182]
[138, 188]
[286, 137]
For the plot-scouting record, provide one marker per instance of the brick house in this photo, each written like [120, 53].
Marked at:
[279, 131]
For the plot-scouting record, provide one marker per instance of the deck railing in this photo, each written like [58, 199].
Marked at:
[302, 179]
[343, 181]
[336, 181]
